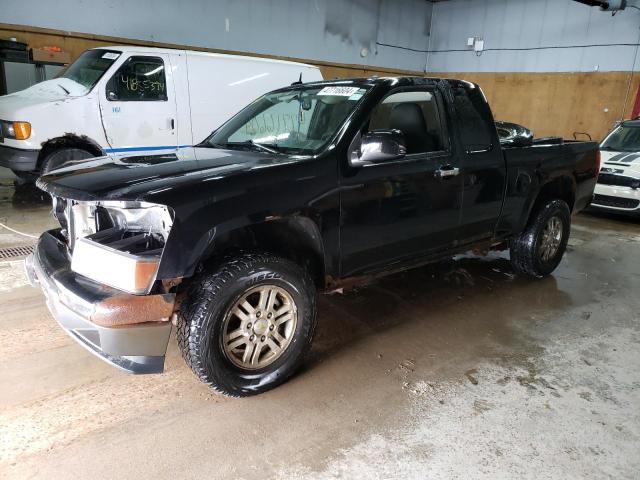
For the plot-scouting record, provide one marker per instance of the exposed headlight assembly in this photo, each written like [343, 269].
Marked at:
[118, 243]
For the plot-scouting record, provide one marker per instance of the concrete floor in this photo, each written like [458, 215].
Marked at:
[455, 371]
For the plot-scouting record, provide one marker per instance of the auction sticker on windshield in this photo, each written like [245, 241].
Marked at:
[111, 55]
[338, 91]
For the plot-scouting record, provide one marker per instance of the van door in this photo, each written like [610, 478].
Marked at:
[138, 105]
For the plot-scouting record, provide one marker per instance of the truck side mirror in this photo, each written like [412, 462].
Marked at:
[111, 95]
[378, 146]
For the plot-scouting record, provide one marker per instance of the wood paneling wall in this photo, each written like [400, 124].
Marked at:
[558, 103]
[548, 103]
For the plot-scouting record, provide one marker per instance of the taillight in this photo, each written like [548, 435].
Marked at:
[598, 162]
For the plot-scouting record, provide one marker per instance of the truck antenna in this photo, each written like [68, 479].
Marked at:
[299, 82]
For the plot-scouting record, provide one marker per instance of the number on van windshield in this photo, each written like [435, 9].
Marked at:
[138, 79]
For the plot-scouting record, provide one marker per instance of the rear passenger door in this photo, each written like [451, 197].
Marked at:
[398, 210]
[482, 164]
[138, 105]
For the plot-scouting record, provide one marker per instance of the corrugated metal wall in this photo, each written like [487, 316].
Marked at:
[524, 24]
[332, 30]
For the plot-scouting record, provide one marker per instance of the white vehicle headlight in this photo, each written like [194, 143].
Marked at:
[118, 243]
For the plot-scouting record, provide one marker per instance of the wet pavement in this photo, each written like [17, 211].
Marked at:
[458, 370]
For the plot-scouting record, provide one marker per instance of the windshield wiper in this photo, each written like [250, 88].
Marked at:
[65, 90]
[248, 143]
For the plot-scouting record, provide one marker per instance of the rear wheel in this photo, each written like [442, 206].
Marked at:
[245, 327]
[63, 157]
[539, 249]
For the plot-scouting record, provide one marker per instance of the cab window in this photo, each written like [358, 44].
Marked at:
[416, 114]
[139, 79]
[471, 110]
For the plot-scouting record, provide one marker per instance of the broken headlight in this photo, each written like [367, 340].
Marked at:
[118, 243]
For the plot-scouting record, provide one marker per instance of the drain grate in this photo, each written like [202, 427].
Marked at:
[12, 252]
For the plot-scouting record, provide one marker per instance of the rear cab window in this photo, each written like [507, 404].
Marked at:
[470, 106]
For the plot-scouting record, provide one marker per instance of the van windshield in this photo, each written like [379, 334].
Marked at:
[300, 120]
[89, 67]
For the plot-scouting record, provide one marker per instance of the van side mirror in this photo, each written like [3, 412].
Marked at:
[378, 146]
[111, 95]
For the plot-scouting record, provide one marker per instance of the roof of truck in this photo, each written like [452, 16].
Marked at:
[375, 80]
[143, 49]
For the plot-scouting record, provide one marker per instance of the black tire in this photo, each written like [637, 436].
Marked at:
[526, 256]
[212, 294]
[24, 178]
[63, 157]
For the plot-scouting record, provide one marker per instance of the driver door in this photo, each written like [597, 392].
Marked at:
[398, 210]
[138, 105]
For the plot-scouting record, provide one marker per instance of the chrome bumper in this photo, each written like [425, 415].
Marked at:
[130, 332]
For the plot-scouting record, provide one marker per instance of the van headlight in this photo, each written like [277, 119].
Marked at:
[119, 244]
[15, 130]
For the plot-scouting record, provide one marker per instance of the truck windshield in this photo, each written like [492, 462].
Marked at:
[89, 67]
[300, 120]
[623, 139]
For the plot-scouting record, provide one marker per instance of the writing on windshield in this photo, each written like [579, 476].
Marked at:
[301, 119]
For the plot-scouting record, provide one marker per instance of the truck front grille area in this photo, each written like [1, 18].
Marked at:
[616, 202]
[618, 180]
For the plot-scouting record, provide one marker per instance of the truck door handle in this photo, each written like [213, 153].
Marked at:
[446, 171]
[173, 124]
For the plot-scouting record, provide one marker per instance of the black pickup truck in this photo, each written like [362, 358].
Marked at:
[313, 187]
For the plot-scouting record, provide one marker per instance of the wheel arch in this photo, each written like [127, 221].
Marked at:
[69, 140]
[296, 238]
[558, 188]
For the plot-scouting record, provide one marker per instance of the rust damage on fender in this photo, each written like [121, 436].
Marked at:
[124, 310]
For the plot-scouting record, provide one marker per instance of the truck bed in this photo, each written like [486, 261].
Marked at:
[571, 164]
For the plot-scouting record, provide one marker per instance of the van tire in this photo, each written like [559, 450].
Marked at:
[63, 157]
[528, 254]
[24, 178]
[204, 315]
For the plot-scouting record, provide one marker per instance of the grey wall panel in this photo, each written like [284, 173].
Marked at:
[532, 23]
[332, 30]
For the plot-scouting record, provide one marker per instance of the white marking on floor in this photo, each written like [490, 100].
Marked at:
[12, 275]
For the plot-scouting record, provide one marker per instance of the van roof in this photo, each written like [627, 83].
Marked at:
[142, 49]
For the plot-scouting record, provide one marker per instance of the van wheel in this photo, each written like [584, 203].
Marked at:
[539, 249]
[244, 327]
[23, 178]
[63, 157]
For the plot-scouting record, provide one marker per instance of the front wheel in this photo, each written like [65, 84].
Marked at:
[63, 157]
[538, 250]
[245, 327]
[24, 178]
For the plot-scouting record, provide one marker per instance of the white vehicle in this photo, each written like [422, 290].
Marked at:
[132, 99]
[618, 187]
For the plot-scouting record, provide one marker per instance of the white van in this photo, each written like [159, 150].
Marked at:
[132, 99]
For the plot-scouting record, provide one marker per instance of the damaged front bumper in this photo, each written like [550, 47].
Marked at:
[130, 332]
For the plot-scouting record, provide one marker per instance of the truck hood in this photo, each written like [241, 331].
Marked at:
[625, 158]
[621, 163]
[12, 106]
[151, 177]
